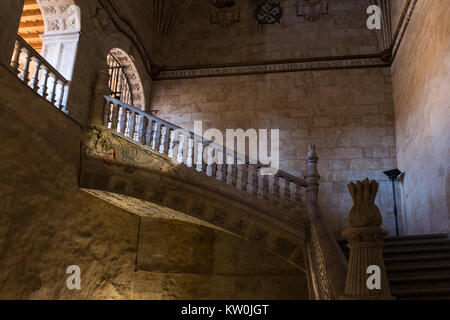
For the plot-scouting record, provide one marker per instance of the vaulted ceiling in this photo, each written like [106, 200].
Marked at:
[195, 33]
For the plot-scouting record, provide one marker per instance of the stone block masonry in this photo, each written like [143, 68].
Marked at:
[347, 114]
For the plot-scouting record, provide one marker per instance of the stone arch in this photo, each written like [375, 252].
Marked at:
[137, 90]
[117, 40]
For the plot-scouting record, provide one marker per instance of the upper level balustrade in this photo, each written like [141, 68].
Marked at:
[39, 75]
[282, 189]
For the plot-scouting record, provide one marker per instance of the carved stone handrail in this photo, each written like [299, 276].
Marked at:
[283, 189]
[45, 80]
[327, 264]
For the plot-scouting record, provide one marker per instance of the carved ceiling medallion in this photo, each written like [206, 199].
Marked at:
[311, 9]
[268, 12]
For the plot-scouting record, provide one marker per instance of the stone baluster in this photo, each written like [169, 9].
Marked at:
[287, 193]
[171, 143]
[234, 170]
[166, 140]
[266, 187]
[16, 56]
[255, 180]
[35, 78]
[140, 130]
[43, 87]
[157, 137]
[366, 274]
[186, 149]
[115, 117]
[298, 197]
[60, 95]
[244, 177]
[205, 152]
[52, 92]
[131, 124]
[26, 66]
[150, 133]
[276, 189]
[63, 106]
[224, 166]
[123, 121]
[214, 169]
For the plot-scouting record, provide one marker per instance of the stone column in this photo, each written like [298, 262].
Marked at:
[366, 274]
[96, 114]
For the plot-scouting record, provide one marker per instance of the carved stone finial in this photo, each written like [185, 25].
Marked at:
[365, 241]
[364, 212]
[312, 176]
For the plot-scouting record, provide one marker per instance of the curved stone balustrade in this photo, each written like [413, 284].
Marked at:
[132, 160]
[39, 75]
[282, 188]
[146, 182]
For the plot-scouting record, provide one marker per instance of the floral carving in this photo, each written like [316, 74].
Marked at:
[364, 212]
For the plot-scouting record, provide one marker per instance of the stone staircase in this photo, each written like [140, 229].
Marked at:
[418, 267]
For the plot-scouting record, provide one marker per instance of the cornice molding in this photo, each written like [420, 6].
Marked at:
[402, 27]
[315, 64]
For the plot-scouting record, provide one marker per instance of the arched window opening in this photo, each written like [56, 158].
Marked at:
[124, 80]
[118, 82]
[125, 85]
[46, 47]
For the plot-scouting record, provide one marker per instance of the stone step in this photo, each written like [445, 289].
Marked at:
[408, 244]
[390, 252]
[418, 270]
[398, 252]
[410, 240]
[420, 282]
[423, 294]
[417, 237]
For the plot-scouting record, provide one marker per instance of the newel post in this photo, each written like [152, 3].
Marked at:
[366, 274]
[96, 115]
[312, 174]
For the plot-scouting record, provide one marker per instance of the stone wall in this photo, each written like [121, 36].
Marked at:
[342, 32]
[48, 224]
[97, 37]
[421, 96]
[196, 262]
[10, 13]
[348, 114]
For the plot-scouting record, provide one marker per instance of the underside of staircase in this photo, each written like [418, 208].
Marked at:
[418, 267]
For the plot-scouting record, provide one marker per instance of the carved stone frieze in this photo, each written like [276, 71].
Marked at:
[109, 147]
[271, 68]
